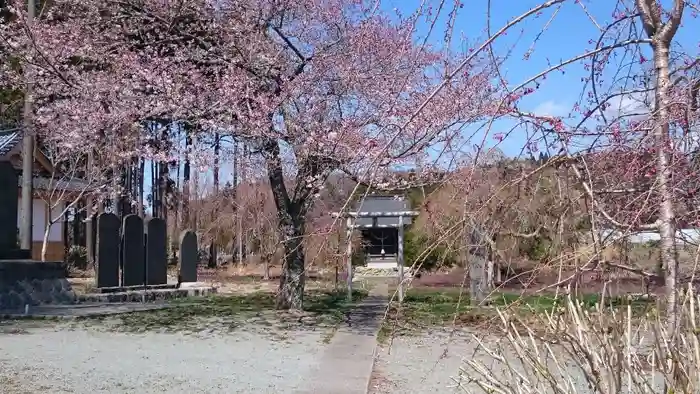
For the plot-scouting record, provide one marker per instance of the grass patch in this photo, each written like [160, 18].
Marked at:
[425, 308]
[230, 312]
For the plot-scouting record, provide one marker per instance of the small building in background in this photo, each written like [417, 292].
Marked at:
[52, 193]
[381, 233]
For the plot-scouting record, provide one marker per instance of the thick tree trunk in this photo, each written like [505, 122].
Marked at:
[291, 215]
[237, 211]
[292, 278]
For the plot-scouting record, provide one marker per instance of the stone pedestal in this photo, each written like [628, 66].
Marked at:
[24, 281]
[28, 282]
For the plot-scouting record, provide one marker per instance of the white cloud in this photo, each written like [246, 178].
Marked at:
[634, 105]
[551, 108]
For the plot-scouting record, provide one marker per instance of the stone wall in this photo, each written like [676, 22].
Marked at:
[25, 282]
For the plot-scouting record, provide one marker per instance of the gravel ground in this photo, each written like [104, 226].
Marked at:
[429, 363]
[87, 360]
[419, 364]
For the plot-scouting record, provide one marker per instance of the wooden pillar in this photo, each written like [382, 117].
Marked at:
[399, 259]
[88, 223]
[90, 227]
[339, 256]
[212, 255]
[495, 265]
[348, 257]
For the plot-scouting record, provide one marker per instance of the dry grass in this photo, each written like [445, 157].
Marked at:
[83, 285]
[229, 279]
[528, 276]
[604, 350]
[425, 308]
[246, 279]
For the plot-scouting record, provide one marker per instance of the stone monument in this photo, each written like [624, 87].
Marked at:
[188, 256]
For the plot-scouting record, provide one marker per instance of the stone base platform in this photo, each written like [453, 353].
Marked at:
[28, 285]
[383, 265]
[29, 282]
[122, 289]
[102, 304]
[367, 272]
[16, 254]
[148, 295]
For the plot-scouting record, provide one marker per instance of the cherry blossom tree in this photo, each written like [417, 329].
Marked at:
[312, 86]
[635, 164]
[631, 138]
[656, 142]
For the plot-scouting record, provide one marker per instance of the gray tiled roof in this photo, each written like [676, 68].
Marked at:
[383, 204]
[73, 185]
[9, 139]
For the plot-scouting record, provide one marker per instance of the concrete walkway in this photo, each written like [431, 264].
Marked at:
[346, 364]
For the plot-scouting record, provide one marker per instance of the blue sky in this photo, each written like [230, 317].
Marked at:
[568, 33]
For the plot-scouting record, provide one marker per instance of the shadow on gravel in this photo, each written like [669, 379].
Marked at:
[23, 326]
[366, 318]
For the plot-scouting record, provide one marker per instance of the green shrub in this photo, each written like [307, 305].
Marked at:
[77, 257]
[438, 256]
[358, 258]
[535, 248]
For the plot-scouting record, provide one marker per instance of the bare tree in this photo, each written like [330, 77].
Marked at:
[69, 183]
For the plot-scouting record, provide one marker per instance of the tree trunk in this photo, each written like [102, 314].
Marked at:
[266, 266]
[212, 255]
[163, 186]
[89, 214]
[217, 149]
[194, 196]
[45, 243]
[242, 241]
[661, 34]
[177, 221]
[141, 207]
[237, 210]
[155, 200]
[292, 278]
[291, 215]
[667, 228]
[186, 171]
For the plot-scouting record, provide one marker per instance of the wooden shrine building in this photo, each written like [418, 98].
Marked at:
[381, 221]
